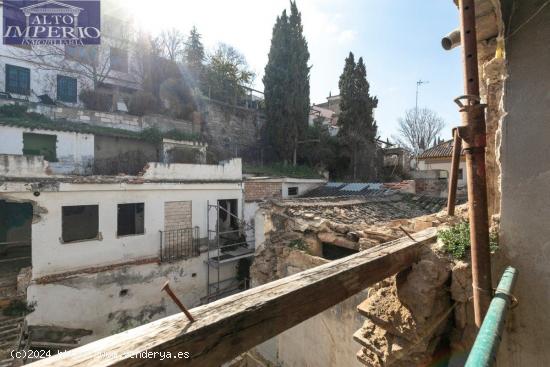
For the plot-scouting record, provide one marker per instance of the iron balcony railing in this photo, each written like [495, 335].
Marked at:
[179, 244]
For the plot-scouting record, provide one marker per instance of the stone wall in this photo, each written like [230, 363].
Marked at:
[109, 119]
[232, 131]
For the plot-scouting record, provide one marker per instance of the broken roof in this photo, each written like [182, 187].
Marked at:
[361, 210]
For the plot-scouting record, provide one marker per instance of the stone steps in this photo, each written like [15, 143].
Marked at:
[10, 330]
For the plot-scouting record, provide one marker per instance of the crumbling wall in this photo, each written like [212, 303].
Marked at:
[111, 301]
[420, 315]
[410, 316]
[492, 76]
[74, 151]
[411, 319]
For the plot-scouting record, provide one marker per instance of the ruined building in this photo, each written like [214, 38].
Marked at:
[367, 270]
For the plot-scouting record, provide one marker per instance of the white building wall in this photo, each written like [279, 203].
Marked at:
[50, 255]
[444, 165]
[303, 185]
[91, 287]
[228, 170]
[74, 151]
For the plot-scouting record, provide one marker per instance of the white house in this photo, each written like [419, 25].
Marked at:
[60, 72]
[438, 160]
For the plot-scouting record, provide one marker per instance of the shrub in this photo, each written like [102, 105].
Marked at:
[151, 135]
[456, 240]
[95, 100]
[18, 307]
[181, 135]
[13, 110]
[142, 103]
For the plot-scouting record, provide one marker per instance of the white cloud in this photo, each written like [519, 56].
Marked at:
[347, 35]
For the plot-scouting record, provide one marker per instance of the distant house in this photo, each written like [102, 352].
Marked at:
[438, 160]
[327, 113]
[332, 103]
[325, 117]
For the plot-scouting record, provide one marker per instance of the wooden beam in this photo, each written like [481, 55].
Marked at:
[230, 326]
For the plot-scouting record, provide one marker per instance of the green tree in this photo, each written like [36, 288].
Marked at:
[357, 126]
[227, 74]
[276, 81]
[286, 85]
[194, 56]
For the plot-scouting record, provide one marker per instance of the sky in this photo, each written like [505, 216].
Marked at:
[399, 40]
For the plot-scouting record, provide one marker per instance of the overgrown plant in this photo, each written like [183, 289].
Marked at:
[18, 307]
[13, 110]
[298, 244]
[456, 240]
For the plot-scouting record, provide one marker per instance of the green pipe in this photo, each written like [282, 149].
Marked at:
[484, 351]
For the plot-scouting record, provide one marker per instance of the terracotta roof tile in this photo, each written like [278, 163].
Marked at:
[443, 150]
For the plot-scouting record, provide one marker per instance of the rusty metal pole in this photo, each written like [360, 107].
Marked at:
[453, 180]
[472, 134]
[167, 289]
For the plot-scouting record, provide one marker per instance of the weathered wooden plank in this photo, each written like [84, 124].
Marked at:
[233, 325]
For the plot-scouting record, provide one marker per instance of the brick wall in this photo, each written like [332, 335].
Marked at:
[254, 191]
[177, 215]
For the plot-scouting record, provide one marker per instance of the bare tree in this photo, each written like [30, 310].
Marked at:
[172, 43]
[418, 129]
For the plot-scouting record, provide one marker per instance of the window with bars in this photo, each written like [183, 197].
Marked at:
[66, 89]
[18, 80]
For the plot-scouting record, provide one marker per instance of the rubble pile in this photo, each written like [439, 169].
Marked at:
[410, 316]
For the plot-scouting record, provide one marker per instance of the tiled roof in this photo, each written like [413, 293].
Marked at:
[443, 150]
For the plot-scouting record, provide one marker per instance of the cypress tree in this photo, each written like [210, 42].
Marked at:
[286, 85]
[299, 79]
[276, 81]
[357, 126]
